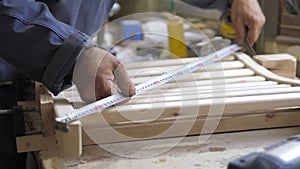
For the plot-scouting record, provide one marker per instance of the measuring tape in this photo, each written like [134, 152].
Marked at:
[117, 98]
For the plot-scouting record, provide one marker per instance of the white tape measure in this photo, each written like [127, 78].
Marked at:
[117, 98]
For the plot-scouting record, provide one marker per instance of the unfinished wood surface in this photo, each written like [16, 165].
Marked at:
[47, 115]
[141, 113]
[39, 89]
[205, 84]
[204, 75]
[215, 153]
[238, 122]
[32, 120]
[70, 144]
[243, 96]
[154, 71]
[34, 143]
[166, 62]
[264, 72]
[276, 61]
[280, 64]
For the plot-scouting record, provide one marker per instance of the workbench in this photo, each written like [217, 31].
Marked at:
[215, 153]
[251, 104]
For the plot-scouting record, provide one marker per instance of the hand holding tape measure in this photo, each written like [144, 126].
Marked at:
[243, 22]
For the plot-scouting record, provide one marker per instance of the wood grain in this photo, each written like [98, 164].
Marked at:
[247, 96]
[70, 144]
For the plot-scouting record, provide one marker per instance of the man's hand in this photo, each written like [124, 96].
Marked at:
[98, 74]
[247, 13]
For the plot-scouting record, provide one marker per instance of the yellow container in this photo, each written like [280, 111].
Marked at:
[226, 27]
[176, 37]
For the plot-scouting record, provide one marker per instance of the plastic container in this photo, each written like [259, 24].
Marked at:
[177, 43]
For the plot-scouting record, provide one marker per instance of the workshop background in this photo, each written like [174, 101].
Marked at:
[280, 34]
[280, 39]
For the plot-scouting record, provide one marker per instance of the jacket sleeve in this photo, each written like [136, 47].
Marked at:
[37, 44]
[209, 4]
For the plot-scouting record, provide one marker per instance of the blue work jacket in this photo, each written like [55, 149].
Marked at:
[42, 39]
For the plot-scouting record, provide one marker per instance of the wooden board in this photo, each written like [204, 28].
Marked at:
[245, 95]
[233, 95]
[215, 153]
[70, 144]
[280, 64]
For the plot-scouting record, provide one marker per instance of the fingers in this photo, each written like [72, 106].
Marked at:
[255, 28]
[96, 71]
[253, 34]
[240, 29]
[103, 85]
[111, 77]
[247, 13]
[123, 81]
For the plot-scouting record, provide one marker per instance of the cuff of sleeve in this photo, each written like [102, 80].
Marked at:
[60, 68]
[223, 5]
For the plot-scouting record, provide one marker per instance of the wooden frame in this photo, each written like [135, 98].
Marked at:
[247, 84]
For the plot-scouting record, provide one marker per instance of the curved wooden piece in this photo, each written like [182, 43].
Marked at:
[258, 69]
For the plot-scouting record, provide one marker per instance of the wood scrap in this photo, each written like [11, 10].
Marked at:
[280, 64]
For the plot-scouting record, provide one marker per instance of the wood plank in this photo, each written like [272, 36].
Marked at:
[197, 95]
[204, 75]
[70, 144]
[143, 131]
[276, 61]
[34, 143]
[155, 71]
[208, 89]
[72, 92]
[74, 97]
[47, 115]
[280, 64]
[148, 112]
[32, 120]
[39, 89]
[215, 152]
[243, 110]
[215, 82]
[166, 62]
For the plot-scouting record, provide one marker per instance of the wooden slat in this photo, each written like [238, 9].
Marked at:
[144, 112]
[196, 95]
[204, 75]
[208, 89]
[72, 92]
[215, 82]
[199, 93]
[167, 62]
[74, 97]
[155, 71]
[142, 131]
